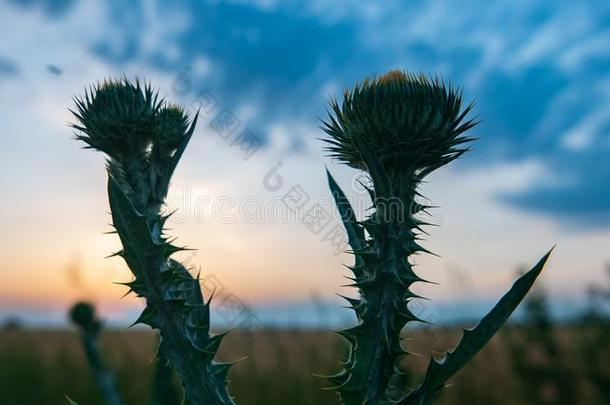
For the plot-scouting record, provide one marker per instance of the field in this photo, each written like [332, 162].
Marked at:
[40, 367]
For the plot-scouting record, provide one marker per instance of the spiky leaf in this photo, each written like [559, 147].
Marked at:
[473, 340]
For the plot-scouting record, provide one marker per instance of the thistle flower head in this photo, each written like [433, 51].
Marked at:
[117, 117]
[142, 135]
[126, 120]
[410, 123]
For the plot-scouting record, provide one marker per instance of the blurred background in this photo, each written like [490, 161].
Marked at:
[261, 74]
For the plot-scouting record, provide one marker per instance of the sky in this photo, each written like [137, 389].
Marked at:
[539, 175]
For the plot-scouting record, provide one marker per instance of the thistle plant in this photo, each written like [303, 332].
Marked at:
[82, 314]
[143, 138]
[398, 128]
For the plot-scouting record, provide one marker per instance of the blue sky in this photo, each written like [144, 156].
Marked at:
[539, 72]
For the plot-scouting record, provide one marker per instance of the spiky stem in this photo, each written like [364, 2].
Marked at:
[383, 276]
[174, 303]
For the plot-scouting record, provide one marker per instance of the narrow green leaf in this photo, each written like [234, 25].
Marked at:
[355, 232]
[474, 339]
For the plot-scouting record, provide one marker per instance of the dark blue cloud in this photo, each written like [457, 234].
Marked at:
[582, 200]
[52, 8]
[8, 68]
[513, 105]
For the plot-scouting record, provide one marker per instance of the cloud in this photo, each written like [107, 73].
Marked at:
[537, 70]
[276, 55]
[51, 8]
[8, 68]
[581, 200]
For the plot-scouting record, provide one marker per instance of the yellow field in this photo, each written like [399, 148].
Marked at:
[40, 367]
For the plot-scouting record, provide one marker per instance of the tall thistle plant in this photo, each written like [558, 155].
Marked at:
[143, 138]
[398, 128]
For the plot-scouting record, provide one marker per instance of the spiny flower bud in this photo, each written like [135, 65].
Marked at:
[117, 117]
[410, 123]
[172, 126]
